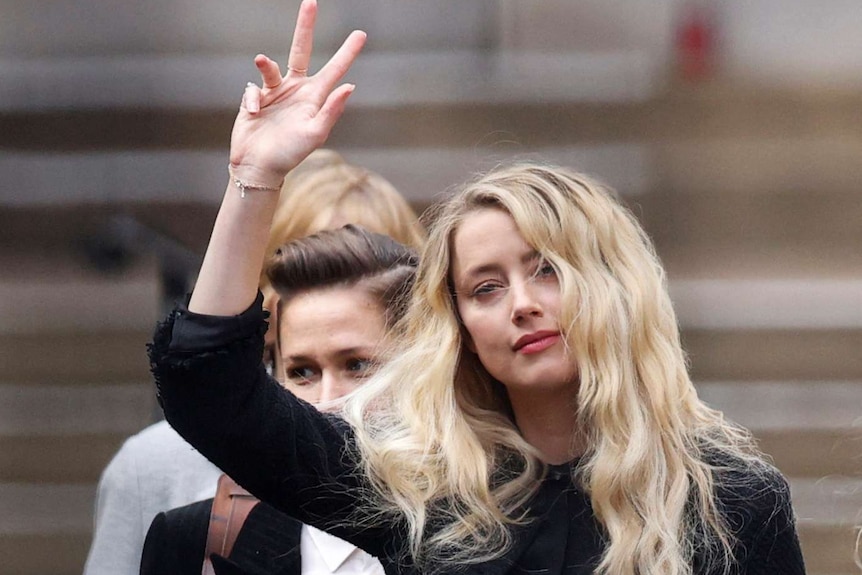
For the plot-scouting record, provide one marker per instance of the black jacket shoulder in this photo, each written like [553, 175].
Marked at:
[267, 544]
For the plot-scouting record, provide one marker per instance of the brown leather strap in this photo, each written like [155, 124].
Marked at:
[230, 509]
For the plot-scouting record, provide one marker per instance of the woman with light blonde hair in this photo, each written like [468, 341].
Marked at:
[543, 347]
[326, 192]
[535, 415]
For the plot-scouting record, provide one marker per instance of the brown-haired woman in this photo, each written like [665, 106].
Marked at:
[340, 294]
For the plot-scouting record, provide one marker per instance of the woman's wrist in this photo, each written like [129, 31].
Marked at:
[251, 178]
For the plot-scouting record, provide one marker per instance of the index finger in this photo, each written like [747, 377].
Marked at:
[337, 66]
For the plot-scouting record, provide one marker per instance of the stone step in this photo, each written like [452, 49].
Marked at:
[774, 354]
[761, 228]
[38, 554]
[36, 459]
[68, 433]
[29, 509]
[811, 429]
[389, 78]
[834, 500]
[828, 512]
[828, 550]
[30, 411]
[45, 528]
[55, 294]
[76, 358]
[421, 174]
[787, 405]
[702, 117]
[806, 303]
[813, 452]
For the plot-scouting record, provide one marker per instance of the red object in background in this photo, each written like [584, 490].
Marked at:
[695, 43]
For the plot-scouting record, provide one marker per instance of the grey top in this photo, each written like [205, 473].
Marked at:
[155, 470]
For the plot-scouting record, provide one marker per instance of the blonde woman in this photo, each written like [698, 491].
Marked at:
[536, 415]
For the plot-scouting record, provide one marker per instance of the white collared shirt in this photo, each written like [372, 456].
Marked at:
[325, 554]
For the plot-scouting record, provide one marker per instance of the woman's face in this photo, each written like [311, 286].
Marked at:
[329, 340]
[509, 302]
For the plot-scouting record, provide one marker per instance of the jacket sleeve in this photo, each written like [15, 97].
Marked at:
[216, 393]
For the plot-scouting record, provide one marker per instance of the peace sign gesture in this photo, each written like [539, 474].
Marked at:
[291, 115]
[278, 125]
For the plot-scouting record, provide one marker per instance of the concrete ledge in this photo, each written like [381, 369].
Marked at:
[29, 555]
[76, 358]
[73, 299]
[813, 452]
[46, 459]
[421, 174]
[788, 405]
[42, 510]
[827, 501]
[46, 410]
[774, 355]
[768, 303]
[382, 78]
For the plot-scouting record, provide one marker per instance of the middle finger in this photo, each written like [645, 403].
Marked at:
[303, 38]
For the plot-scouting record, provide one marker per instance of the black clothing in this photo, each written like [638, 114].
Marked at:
[267, 544]
[216, 393]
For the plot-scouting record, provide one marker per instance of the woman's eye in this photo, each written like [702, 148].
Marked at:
[360, 366]
[301, 375]
[546, 270]
[486, 289]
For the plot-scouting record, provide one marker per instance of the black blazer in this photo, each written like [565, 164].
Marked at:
[268, 543]
[216, 393]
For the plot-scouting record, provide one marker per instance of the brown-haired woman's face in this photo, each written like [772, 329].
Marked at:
[329, 342]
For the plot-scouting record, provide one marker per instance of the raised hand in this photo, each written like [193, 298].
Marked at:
[291, 115]
[278, 125]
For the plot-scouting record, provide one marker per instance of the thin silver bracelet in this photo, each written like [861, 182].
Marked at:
[243, 186]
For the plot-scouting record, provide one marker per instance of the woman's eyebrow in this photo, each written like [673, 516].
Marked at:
[482, 269]
[491, 267]
[357, 350]
[531, 256]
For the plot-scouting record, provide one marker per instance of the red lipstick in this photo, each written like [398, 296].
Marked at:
[536, 342]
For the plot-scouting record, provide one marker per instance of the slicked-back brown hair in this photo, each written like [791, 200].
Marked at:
[348, 256]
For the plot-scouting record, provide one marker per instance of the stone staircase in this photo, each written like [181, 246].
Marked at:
[752, 195]
[761, 236]
[74, 383]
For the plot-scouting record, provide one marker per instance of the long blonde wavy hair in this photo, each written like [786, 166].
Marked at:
[435, 433]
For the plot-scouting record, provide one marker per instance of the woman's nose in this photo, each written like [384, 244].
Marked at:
[525, 302]
[333, 386]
